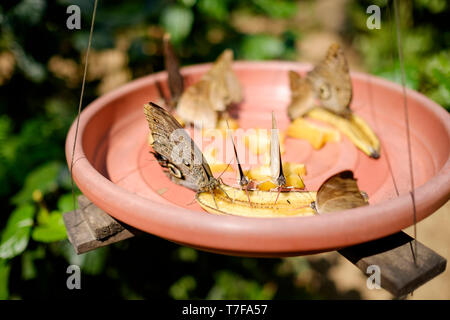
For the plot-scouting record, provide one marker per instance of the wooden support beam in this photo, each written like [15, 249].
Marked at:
[400, 272]
[89, 228]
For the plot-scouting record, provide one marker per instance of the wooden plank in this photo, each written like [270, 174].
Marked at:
[89, 228]
[400, 274]
[101, 223]
[81, 236]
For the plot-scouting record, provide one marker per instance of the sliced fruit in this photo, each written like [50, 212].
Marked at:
[221, 128]
[355, 128]
[258, 141]
[216, 166]
[294, 180]
[317, 135]
[262, 203]
[292, 171]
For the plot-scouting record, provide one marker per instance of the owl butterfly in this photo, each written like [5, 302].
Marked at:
[329, 82]
[339, 192]
[176, 151]
[174, 77]
[217, 89]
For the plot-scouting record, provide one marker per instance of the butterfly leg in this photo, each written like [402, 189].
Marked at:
[279, 191]
[226, 194]
[248, 196]
[214, 198]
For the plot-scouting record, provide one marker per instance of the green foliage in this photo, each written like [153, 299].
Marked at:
[43, 179]
[424, 46]
[232, 286]
[181, 288]
[262, 47]
[4, 277]
[16, 234]
[177, 20]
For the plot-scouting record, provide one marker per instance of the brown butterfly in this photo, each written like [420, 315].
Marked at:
[175, 150]
[218, 88]
[174, 77]
[329, 82]
[339, 192]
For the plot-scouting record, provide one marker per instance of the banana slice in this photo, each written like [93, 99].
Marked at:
[355, 128]
[262, 203]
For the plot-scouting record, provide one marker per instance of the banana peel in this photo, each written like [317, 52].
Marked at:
[355, 128]
[262, 203]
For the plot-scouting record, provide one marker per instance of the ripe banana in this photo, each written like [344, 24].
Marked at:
[355, 128]
[262, 203]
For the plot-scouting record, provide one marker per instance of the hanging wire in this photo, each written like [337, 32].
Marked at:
[406, 112]
[81, 101]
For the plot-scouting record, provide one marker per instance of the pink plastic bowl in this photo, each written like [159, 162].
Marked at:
[114, 169]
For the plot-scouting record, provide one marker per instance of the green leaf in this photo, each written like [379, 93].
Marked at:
[262, 47]
[177, 21]
[229, 285]
[65, 202]
[44, 178]
[180, 289]
[17, 232]
[53, 230]
[216, 9]
[5, 267]
[277, 9]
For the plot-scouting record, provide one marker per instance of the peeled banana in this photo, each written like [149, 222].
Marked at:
[355, 128]
[262, 203]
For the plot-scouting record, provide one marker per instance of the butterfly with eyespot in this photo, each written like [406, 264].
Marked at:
[339, 192]
[176, 151]
[329, 82]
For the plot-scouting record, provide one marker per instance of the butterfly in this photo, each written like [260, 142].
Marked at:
[276, 165]
[329, 82]
[201, 103]
[174, 77]
[339, 192]
[176, 151]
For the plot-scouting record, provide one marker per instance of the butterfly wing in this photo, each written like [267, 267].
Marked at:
[181, 156]
[339, 192]
[195, 105]
[331, 81]
[175, 79]
[302, 95]
[276, 165]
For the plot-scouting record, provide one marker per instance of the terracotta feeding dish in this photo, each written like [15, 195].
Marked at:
[114, 169]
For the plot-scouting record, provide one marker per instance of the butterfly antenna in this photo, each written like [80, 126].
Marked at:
[243, 180]
[228, 165]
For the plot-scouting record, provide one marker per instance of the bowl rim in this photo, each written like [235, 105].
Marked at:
[255, 236]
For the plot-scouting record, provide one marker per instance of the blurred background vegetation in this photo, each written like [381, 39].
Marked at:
[40, 78]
